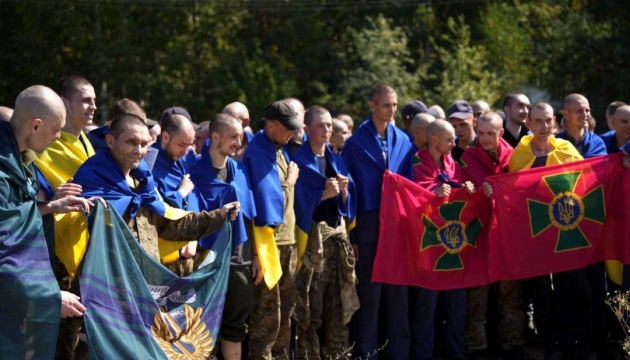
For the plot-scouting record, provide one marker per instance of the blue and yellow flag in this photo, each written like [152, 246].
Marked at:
[138, 309]
[309, 189]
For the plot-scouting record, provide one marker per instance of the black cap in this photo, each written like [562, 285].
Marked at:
[459, 109]
[285, 114]
[412, 109]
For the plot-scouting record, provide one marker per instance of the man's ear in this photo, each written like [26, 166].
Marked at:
[165, 137]
[110, 140]
[35, 125]
[372, 105]
[215, 136]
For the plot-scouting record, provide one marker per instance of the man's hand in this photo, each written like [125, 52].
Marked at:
[443, 190]
[71, 305]
[331, 189]
[487, 189]
[257, 273]
[293, 173]
[343, 183]
[189, 250]
[66, 205]
[232, 209]
[68, 189]
[186, 186]
[470, 187]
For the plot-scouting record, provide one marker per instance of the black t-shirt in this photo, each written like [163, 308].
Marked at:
[507, 136]
[328, 209]
[241, 254]
[540, 161]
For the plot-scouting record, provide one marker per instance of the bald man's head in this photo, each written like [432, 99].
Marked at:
[621, 122]
[489, 131]
[480, 107]
[418, 128]
[38, 117]
[348, 120]
[239, 111]
[5, 113]
[441, 136]
[576, 112]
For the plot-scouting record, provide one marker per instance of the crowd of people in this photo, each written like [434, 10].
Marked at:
[304, 196]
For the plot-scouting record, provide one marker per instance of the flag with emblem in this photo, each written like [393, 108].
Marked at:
[428, 241]
[138, 309]
[557, 218]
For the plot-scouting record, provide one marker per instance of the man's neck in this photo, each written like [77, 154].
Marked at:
[218, 160]
[513, 127]
[462, 144]
[381, 127]
[76, 131]
[576, 133]
[437, 158]
[318, 149]
[541, 146]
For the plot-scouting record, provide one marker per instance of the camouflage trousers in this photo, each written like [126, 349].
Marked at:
[511, 317]
[270, 319]
[69, 347]
[323, 297]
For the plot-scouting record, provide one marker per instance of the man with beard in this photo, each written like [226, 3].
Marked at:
[218, 180]
[516, 108]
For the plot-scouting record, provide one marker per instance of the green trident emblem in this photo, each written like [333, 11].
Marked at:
[453, 236]
[566, 211]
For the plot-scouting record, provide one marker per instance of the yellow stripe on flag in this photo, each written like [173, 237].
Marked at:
[267, 251]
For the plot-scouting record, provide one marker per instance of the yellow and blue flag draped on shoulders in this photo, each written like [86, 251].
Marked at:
[211, 193]
[260, 161]
[523, 157]
[63, 157]
[31, 301]
[309, 189]
[101, 176]
[138, 309]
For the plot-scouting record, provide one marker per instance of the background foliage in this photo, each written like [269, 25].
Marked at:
[203, 54]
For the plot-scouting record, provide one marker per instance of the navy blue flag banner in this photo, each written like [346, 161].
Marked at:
[138, 309]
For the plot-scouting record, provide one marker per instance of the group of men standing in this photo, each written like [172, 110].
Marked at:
[305, 212]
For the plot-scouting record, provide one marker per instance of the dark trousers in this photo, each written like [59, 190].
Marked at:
[390, 302]
[423, 305]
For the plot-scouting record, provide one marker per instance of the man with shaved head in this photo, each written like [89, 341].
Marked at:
[348, 120]
[437, 112]
[340, 133]
[489, 155]
[418, 129]
[122, 106]
[64, 156]
[239, 111]
[201, 135]
[375, 147]
[436, 170]
[515, 107]
[220, 179]
[617, 138]
[610, 112]
[550, 299]
[32, 303]
[299, 137]
[576, 111]
[479, 107]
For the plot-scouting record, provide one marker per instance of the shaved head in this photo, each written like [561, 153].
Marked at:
[221, 122]
[622, 111]
[491, 118]
[176, 123]
[480, 107]
[437, 112]
[5, 113]
[421, 120]
[439, 127]
[239, 111]
[38, 117]
[572, 99]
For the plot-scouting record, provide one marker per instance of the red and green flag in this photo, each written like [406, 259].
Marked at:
[557, 218]
[431, 242]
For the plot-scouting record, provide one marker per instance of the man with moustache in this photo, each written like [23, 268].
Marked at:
[219, 179]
